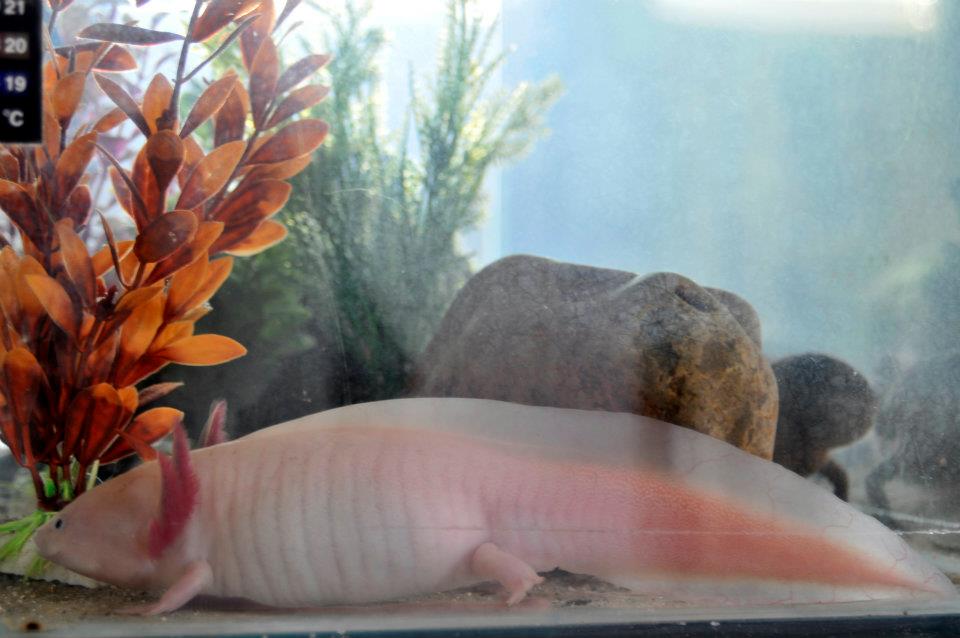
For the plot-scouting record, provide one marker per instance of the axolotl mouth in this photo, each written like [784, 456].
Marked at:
[53, 545]
[46, 544]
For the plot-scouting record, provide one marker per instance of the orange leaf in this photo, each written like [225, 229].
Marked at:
[112, 119]
[139, 329]
[165, 153]
[51, 138]
[257, 32]
[77, 262]
[217, 273]
[9, 166]
[21, 208]
[78, 206]
[207, 233]
[294, 140]
[157, 391]
[116, 59]
[148, 427]
[210, 175]
[230, 120]
[243, 211]
[72, 164]
[8, 287]
[209, 102]
[134, 298]
[30, 305]
[183, 285]
[165, 235]
[267, 234]
[23, 376]
[52, 73]
[150, 204]
[169, 333]
[129, 398]
[86, 325]
[103, 261]
[263, 80]
[106, 416]
[197, 313]
[10, 434]
[126, 445]
[253, 202]
[300, 70]
[123, 100]
[156, 99]
[55, 301]
[81, 415]
[192, 154]
[218, 14]
[122, 191]
[67, 94]
[100, 362]
[113, 60]
[129, 266]
[203, 284]
[143, 368]
[297, 101]
[202, 350]
[279, 170]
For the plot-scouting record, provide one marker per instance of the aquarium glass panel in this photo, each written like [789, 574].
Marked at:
[491, 316]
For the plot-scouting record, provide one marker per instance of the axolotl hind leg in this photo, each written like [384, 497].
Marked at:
[489, 562]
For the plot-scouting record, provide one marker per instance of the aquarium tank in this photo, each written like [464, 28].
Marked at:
[479, 317]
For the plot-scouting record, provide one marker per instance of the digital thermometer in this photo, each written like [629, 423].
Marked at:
[21, 57]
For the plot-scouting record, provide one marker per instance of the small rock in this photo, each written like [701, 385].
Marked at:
[541, 332]
[824, 403]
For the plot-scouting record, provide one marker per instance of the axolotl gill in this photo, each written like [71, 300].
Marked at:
[390, 499]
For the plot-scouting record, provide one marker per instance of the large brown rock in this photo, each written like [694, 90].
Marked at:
[536, 331]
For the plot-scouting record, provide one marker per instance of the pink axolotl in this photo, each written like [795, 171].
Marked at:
[390, 499]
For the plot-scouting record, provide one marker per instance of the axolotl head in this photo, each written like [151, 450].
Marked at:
[121, 531]
[104, 533]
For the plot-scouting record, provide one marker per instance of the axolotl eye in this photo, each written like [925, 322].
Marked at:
[58, 524]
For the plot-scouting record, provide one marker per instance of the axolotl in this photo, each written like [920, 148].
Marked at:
[390, 499]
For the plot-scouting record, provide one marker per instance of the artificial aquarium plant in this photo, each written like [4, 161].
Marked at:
[381, 217]
[82, 330]
[375, 254]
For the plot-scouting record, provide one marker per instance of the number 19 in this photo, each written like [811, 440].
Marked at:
[15, 83]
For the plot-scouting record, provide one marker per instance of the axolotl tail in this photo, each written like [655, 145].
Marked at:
[651, 532]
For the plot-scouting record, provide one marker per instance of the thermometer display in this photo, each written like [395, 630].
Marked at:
[21, 112]
[15, 45]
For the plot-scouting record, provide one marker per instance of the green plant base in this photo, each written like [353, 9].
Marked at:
[19, 555]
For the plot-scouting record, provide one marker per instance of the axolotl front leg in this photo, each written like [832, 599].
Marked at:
[195, 578]
[489, 562]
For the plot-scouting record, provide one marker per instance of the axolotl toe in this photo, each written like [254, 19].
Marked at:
[391, 499]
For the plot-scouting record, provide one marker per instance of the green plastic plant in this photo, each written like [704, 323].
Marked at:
[375, 220]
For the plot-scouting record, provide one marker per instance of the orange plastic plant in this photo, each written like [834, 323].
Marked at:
[80, 331]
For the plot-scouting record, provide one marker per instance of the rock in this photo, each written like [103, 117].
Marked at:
[824, 403]
[917, 426]
[742, 311]
[540, 332]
